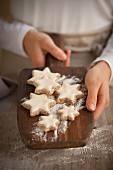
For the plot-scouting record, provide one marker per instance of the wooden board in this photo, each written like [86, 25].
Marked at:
[77, 133]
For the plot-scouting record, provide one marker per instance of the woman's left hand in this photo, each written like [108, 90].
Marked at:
[97, 83]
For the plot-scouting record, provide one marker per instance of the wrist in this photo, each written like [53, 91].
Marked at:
[104, 68]
[28, 39]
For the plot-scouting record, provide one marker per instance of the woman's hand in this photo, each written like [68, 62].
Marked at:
[97, 83]
[38, 44]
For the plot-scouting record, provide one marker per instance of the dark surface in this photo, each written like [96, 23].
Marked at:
[78, 131]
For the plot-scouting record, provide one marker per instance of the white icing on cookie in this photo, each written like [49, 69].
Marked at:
[38, 104]
[37, 74]
[68, 113]
[46, 85]
[48, 122]
[69, 93]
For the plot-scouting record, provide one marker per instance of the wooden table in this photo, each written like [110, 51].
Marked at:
[97, 155]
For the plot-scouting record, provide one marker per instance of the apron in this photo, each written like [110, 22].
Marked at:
[87, 47]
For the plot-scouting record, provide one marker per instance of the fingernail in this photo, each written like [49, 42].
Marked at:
[92, 106]
[64, 56]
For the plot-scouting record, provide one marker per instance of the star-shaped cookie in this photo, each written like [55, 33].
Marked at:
[38, 104]
[48, 122]
[68, 113]
[46, 85]
[37, 74]
[69, 93]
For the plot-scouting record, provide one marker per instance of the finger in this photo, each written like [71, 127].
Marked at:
[67, 61]
[92, 96]
[103, 101]
[50, 46]
[37, 57]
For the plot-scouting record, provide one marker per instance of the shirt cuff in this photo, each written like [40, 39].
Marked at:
[107, 60]
[23, 29]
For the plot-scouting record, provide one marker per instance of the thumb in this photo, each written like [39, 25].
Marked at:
[51, 47]
[91, 101]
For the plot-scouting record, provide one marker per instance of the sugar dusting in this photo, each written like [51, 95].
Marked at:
[63, 127]
[38, 133]
[101, 140]
[70, 79]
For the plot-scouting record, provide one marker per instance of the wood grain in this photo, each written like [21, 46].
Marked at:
[78, 131]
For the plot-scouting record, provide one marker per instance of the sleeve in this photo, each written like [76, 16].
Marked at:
[106, 55]
[12, 35]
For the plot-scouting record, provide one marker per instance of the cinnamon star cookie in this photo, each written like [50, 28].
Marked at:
[46, 85]
[37, 74]
[68, 113]
[69, 93]
[48, 122]
[38, 104]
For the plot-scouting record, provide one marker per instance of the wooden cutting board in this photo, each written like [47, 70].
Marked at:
[77, 133]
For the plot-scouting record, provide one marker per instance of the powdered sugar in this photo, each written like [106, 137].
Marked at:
[38, 133]
[63, 126]
[70, 79]
[56, 108]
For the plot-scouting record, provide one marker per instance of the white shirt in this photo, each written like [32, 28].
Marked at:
[64, 16]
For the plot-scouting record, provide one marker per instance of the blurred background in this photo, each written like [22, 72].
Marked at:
[10, 63]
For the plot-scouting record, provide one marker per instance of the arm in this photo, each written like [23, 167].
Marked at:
[97, 80]
[11, 36]
[107, 55]
[26, 40]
